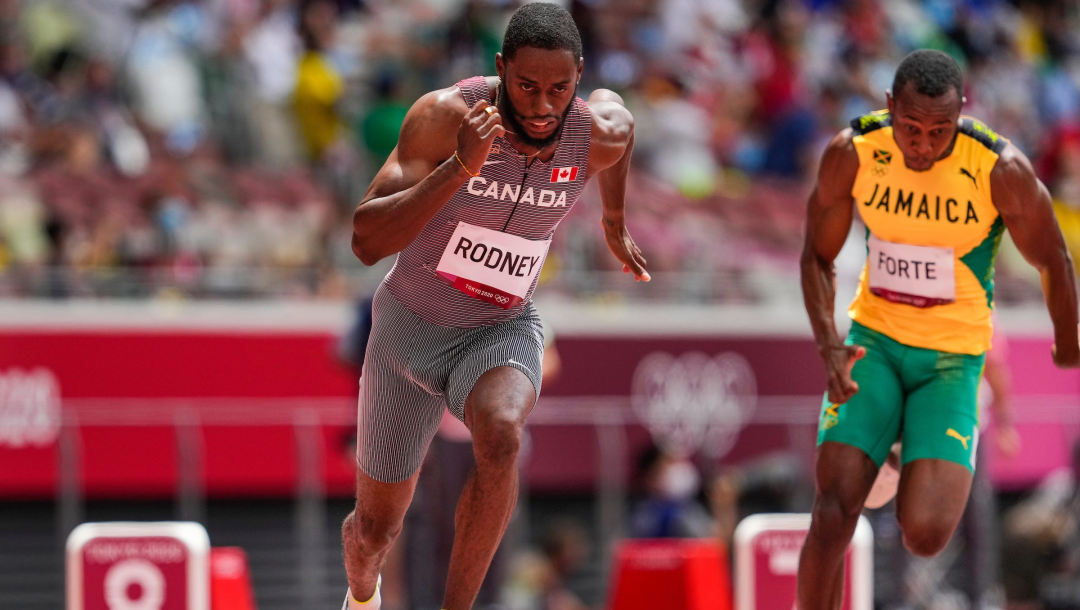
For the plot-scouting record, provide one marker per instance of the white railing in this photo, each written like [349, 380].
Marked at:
[608, 416]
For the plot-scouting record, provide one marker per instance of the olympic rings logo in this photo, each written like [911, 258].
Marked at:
[501, 299]
[29, 407]
[693, 402]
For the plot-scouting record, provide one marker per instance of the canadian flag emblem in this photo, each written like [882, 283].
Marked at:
[563, 174]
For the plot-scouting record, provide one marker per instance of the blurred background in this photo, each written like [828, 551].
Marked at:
[182, 319]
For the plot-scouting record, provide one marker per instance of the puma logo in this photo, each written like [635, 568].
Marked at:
[964, 172]
[963, 439]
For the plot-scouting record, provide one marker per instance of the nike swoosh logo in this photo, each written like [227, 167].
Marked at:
[491, 162]
[512, 361]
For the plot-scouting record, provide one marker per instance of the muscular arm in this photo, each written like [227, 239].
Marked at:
[420, 175]
[610, 150]
[1026, 208]
[609, 157]
[828, 221]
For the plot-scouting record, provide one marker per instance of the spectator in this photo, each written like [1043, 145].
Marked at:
[1043, 535]
[319, 86]
[272, 47]
[566, 548]
[728, 94]
[540, 579]
[669, 508]
[164, 75]
[380, 126]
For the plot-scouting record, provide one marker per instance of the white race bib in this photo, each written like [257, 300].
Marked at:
[922, 276]
[491, 265]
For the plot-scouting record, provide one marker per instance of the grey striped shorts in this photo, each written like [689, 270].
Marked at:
[414, 369]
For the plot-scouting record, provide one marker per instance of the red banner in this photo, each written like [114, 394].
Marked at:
[128, 395]
[239, 410]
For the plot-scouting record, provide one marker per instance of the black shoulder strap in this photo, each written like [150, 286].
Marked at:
[871, 122]
[978, 131]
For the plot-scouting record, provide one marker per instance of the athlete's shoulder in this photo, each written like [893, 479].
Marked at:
[839, 163]
[1014, 186]
[612, 122]
[612, 129]
[841, 148]
[978, 131]
[1013, 169]
[870, 122]
[441, 105]
[430, 126]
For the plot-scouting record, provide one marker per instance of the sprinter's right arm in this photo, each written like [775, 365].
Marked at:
[422, 173]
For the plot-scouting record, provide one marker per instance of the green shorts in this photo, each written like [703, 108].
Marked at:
[928, 398]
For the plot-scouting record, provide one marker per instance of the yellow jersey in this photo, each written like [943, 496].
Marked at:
[932, 239]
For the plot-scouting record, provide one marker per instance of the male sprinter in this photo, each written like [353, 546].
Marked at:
[482, 174]
[935, 191]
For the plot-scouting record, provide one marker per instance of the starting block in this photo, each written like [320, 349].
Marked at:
[230, 579]
[674, 574]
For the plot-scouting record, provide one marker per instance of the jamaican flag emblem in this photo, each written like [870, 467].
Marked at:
[882, 159]
[831, 416]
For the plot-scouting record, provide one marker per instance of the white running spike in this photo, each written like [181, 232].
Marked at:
[372, 604]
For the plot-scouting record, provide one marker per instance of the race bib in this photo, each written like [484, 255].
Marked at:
[922, 276]
[490, 265]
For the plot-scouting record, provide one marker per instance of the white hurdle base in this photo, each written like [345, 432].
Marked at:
[767, 548]
[138, 566]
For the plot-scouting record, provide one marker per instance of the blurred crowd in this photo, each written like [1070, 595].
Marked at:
[217, 147]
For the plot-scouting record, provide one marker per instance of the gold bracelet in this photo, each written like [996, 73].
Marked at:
[476, 175]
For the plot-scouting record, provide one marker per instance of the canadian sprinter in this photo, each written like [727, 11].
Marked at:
[482, 175]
